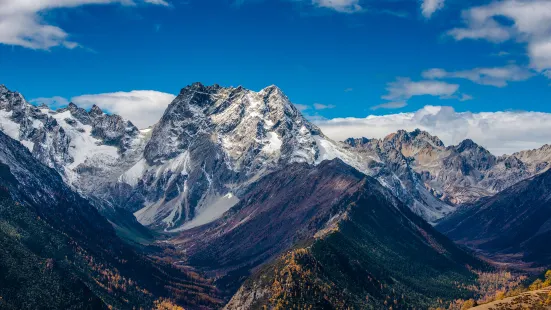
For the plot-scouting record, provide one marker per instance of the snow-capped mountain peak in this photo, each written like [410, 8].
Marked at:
[70, 139]
[213, 142]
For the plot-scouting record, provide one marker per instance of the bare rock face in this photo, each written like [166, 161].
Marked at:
[89, 149]
[455, 174]
[213, 142]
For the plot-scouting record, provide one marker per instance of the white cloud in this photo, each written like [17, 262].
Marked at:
[143, 107]
[540, 55]
[495, 76]
[301, 107]
[157, 2]
[21, 23]
[343, 6]
[465, 97]
[405, 88]
[499, 132]
[526, 21]
[53, 102]
[429, 7]
[319, 106]
[390, 105]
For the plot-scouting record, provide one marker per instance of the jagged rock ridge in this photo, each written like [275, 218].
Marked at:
[213, 142]
[455, 174]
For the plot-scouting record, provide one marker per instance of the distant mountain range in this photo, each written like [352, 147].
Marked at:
[242, 188]
[212, 142]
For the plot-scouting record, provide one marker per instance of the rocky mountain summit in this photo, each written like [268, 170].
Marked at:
[71, 139]
[239, 186]
[193, 165]
[455, 174]
[213, 142]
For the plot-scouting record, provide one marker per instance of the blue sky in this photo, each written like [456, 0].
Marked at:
[338, 58]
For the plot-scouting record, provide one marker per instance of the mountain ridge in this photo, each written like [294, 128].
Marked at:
[456, 174]
[247, 134]
[162, 176]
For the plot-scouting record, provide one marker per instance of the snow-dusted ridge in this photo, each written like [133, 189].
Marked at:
[211, 144]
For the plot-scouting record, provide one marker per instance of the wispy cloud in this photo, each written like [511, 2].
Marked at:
[52, 102]
[529, 23]
[494, 76]
[301, 107]
[319, 106]
[390, 105]
[21, 23]
[403, 89]
[429, 7]
[343, 6]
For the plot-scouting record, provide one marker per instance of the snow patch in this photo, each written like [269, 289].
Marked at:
[274, 143]
[212, 212]
[146, 130]
[8, 126]
[329, 150]
[83, 146]
[28, 144]
[134, 174]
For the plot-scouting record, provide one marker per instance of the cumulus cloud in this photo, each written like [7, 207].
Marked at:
[429, 7]
[539, 52]
[21, 23]
[143, 107]
[525, 21]
[499, 132]
[495, 76]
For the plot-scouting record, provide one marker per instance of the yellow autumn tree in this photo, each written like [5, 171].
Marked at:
[468, 304]
[536, 285]
[166, 304]
[548, 278]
